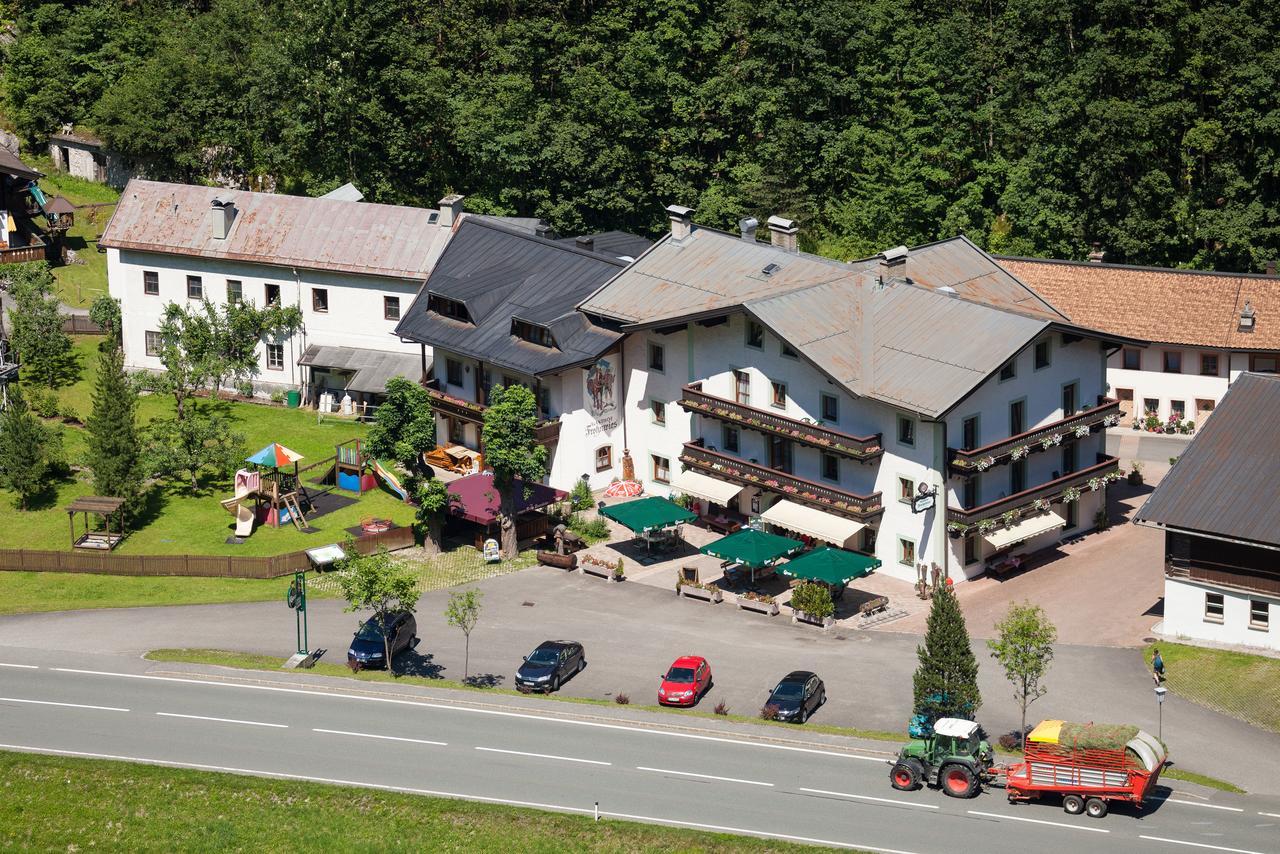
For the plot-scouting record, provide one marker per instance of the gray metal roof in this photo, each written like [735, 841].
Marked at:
[619, 244]
[1225, 482]
[500, 273]
[11, 164]
[372, 367]
[284, 231]
[348, 192]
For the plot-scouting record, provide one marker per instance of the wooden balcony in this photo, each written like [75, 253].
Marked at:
[1025, 501]
[1244, 579]
[860, 448]
[1092, 420]
[547, 431]
[820, 496]
[24, 254]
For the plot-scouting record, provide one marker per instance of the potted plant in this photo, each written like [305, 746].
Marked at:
[758, 602]
[811, 603]
[1135, 474]
[619, 573]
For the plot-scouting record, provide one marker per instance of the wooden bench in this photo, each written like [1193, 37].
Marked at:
[873, 606]
[1007, 564]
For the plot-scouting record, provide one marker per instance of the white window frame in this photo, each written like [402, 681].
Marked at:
[159, 341]
[902, 552]
[276, 348]
[1209, 616]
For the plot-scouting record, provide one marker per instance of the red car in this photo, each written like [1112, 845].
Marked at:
[685, 683]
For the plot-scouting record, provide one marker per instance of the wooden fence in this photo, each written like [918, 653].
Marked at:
[77, 324]
[205, 566]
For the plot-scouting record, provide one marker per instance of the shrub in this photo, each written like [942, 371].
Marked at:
[277, 397]
[722, 708]
[768, 712]
[1101, 520]
[580, 497]
[44, 402]
[594, 529]
[682, 500]
[619, 570]
[813, 599]
[1172, 460]
[1010, 742]
[621, 699]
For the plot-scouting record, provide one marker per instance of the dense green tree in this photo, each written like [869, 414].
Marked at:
[433, 500]
[30, 451]
[404, 427]
[105, 311]
[379, 583]
[114, 446]
[945, 683]
[185, 450]
[44, 350]
[512, 451]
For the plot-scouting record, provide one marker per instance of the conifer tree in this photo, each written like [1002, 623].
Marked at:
[946, 680]
[114, 447]
[29, 451]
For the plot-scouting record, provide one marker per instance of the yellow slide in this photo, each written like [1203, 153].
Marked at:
[240, 506]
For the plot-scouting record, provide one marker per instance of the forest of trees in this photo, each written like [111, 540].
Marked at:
[1036, 127]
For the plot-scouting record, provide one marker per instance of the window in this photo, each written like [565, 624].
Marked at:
[969, 433]
[604, 458]
[1069, 457]
[1069, 399]
[154, 343]
[780, 395]
[1042, 354]
[755, 335]
[661, 469]
[970, 549]
[195, 287]
[1173, 361]
[320, 299]
[453, 372]
[1150, 405]
[788, 352]
[390, 308]
[659, 410]
[780, 454]
[1178, 409]
[829, 407]
[906, 430]
[1073, 514]
[273, 294]
[446, 307]
[235, 291]
[1259, 615]
[970, 497]
[657, 358]
[1208, 364]
[742, 387]
[906, 552]
[151, 283]
[906, 489]
[509, 381]
[1262, 364]
[1017, 417]
[1017, 476]
[729, 438]
[544, 401]
[1009, 370]
[532, 332]
[1132, 359]
[830, 466]
[1214, 607]
[275, 357]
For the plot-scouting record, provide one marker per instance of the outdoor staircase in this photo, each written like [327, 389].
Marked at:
[290, 501]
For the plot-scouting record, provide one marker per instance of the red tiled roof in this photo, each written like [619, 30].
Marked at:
[1157, 304]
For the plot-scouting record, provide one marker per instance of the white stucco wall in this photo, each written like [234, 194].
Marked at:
[1152, 382]
[1184, 615]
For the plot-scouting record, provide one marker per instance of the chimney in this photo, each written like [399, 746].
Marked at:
[748, 226]
[1248, 317]
[681, 221]
[586, 243]
[222, 214]
[1098, 255]
[895, 257]
[450, 210]
[784, 233]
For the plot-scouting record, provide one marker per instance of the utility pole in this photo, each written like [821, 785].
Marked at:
[1160, 692]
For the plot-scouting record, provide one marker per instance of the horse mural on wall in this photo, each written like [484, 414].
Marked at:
[600, 379]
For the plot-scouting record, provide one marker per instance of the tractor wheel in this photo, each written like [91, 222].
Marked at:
[1095, 808]
[1072, 804]
[906, 775]
[958, 781]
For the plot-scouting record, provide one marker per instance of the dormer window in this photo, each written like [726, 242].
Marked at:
[532, 333]
[446, 307]
[1248, 317]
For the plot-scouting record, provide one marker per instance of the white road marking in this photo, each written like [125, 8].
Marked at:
[438, 794]
[20, 666]
[220, 720]
[66, 705]
[1198, 804]
[869, 798]
[703, 776]
[1199, 845]
[385, 737]
[544, 756]
[457, 708]
[1039, 821]
[1270, 814]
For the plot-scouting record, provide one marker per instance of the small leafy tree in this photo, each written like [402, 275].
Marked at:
[512, 450]
[813, 599]
[580, 497]
[377, 582]
[1024, 647]
[404, 427]
[29, 450]
[114, 447]
[433, 499]
[43, 348]
[182, 451]
[186, 352]
[105, 312]
[946, 679]
[463, 612]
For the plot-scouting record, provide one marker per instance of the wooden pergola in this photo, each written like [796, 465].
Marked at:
[102, 506]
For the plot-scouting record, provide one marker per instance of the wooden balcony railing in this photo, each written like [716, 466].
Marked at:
[966, 462]
[860, 448]
[1035, 499]
[1247, 579]
[546, 432]
[821, 496]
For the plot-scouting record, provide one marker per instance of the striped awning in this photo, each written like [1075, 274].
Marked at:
[707, 488]
[1024, 530]
[810, 522]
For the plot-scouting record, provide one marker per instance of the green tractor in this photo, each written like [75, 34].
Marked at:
[954, 758]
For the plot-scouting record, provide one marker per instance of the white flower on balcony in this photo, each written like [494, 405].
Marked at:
[986, 463]
[1020, 452]
[1082, 431]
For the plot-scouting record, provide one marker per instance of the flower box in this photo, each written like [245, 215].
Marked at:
[803, 617]
[713, 595]
[769, 609]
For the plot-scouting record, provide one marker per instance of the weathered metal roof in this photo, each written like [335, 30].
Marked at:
[10, 164]
[501, 273]
[372, 367]
[285, 231]
[348, 192]
[619, 244]
[1224, 483]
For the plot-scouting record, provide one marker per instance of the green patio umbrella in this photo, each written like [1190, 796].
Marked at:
[752, 548]
[836, 567]
[648, 514]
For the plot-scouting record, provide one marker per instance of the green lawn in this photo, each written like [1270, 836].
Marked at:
[29, 592]
[62, 804]
[1234, 683]
[79, 284]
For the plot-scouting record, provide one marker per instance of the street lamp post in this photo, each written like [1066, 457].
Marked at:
[1160, 692]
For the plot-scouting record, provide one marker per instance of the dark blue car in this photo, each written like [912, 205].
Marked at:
[367, 647]
[548, 666]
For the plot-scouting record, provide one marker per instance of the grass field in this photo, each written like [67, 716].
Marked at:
[56, 803]
[30, 592]
[79, 284]
[1234, 683]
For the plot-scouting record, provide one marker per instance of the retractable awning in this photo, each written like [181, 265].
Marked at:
[707, 488]
[1024, 530]
[827, 527]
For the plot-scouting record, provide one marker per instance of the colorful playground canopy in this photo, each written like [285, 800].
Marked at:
[648, 514]
[477, 500]
[830, 566]
[752, 548]
[275, 455]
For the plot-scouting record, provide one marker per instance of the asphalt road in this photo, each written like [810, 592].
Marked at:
[453, 746]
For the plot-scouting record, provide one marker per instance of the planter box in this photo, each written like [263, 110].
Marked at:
[605, 572]
[713, 596]
[769, 609]
[802, 617]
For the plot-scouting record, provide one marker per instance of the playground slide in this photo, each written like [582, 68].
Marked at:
[389, 478]
[243, 513]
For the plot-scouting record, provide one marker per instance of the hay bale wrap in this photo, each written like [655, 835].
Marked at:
[1064, 740]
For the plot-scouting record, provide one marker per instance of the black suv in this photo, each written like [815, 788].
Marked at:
[367, 648]
[549, 665]
[797, 696]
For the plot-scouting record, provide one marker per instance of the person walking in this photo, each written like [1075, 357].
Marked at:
[1157, 666]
